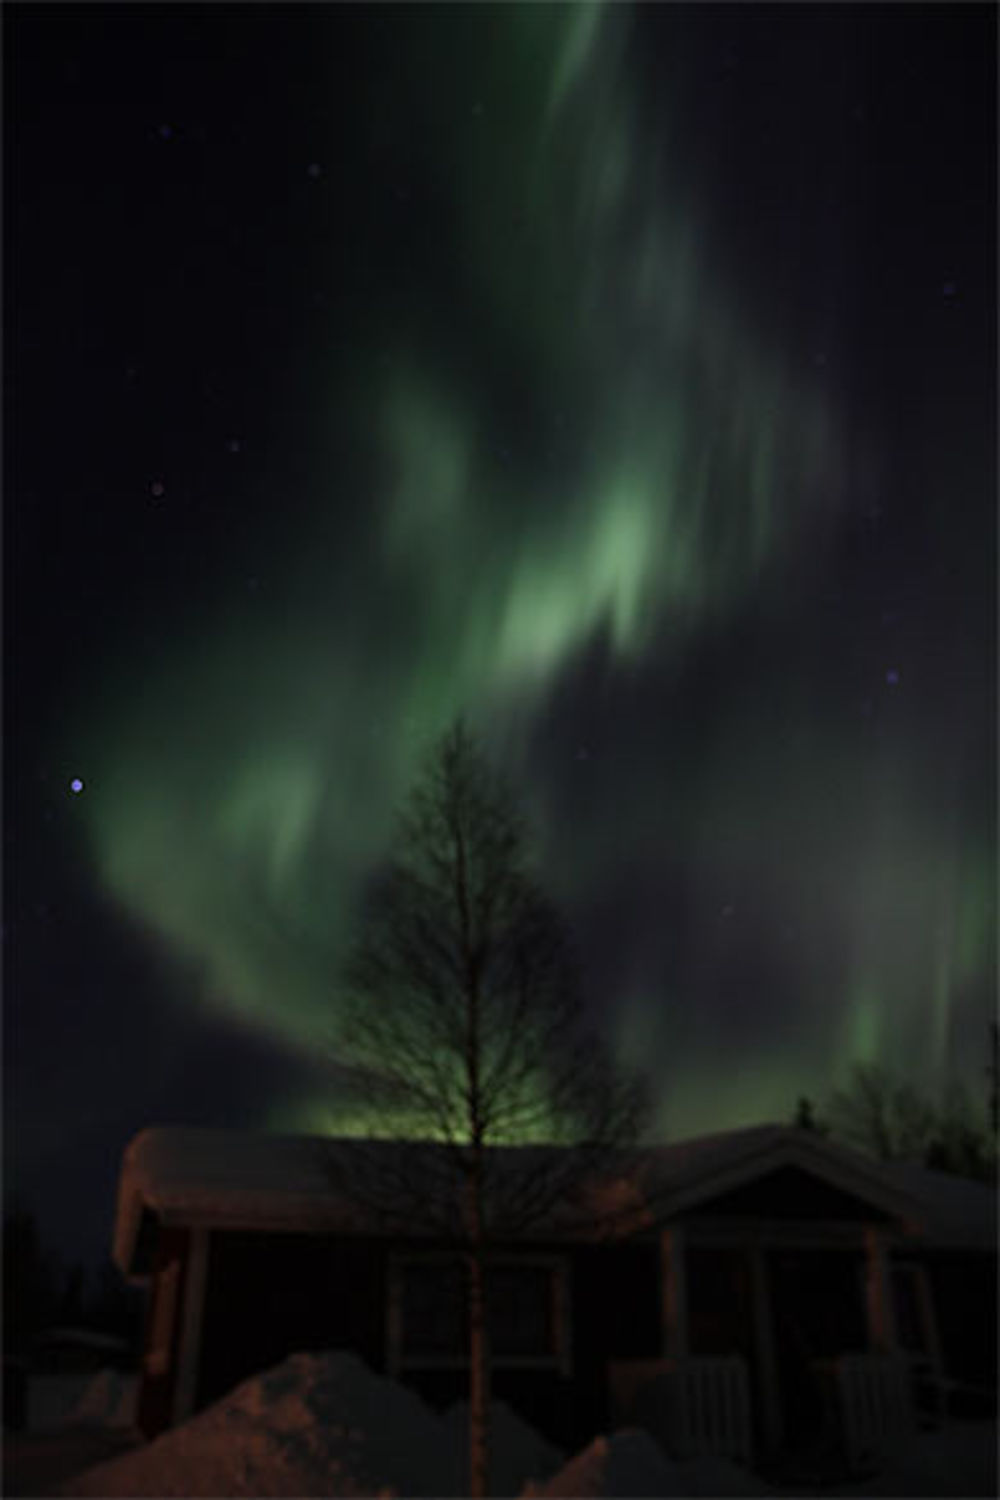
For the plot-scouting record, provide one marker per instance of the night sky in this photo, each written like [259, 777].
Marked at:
[624, 379]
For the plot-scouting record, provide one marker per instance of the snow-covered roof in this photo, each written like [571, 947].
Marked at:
[957, 1211]
[240, 1179]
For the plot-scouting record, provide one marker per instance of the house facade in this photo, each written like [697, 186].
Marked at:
[742, 1277]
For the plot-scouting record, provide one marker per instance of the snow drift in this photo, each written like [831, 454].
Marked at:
[518, 1454]
[630, 1463]
[626, 1463]
[319, 1424]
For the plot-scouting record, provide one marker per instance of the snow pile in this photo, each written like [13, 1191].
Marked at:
[631, 1463]
[318, 1424]
[107, 1400]
[626, 1463]
[518, 1454]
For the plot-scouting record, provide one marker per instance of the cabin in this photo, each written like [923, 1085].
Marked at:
[754, 1293]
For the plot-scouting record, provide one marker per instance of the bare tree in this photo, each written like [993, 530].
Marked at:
[877, 1113]
[880, 1114]
[462, 1002]
[963, 1143]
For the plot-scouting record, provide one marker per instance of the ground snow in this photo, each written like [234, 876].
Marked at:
[630, 1463]
[718, 1477]
[960, 1459]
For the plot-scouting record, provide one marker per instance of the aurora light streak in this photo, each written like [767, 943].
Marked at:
[567, 477]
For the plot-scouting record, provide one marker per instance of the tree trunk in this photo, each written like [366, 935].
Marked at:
[479, 1378]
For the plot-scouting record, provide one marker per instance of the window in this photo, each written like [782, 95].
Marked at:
[522, 1310]
[434, 1311]
[526, 1307]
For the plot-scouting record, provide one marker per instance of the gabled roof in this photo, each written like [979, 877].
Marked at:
[690, 1174]
[237, 1179]
[957, 1212]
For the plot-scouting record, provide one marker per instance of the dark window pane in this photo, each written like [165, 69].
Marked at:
[521, 1310]
[434, 1309]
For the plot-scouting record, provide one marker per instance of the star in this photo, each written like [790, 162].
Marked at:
[157, 489]
[76, 785]
[892, 677]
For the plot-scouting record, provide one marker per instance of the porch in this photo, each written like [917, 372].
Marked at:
[783, 1348]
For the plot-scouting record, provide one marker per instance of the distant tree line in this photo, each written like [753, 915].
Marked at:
[41, 1291]
[889, 1118]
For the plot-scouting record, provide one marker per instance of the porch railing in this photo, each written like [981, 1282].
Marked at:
[874, 1397]
[696, 1407]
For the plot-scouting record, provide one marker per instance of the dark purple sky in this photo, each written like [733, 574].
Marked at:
[631, 391]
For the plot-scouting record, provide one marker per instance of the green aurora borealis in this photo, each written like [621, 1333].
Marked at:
[579, 464]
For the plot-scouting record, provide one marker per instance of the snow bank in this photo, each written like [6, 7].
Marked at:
[630, 1463]
[626, 1463]
[518, 1454]
[318, 1424]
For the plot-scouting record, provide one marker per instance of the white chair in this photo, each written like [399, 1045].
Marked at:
[875, 1404]
[696, 1407]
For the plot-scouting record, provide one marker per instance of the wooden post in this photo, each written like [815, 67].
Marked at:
[932, 1340]
[878, 1294]
[394, 1318]
[766, 1371]
[673, 1294]
[562, 1315]
[189, 1350]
